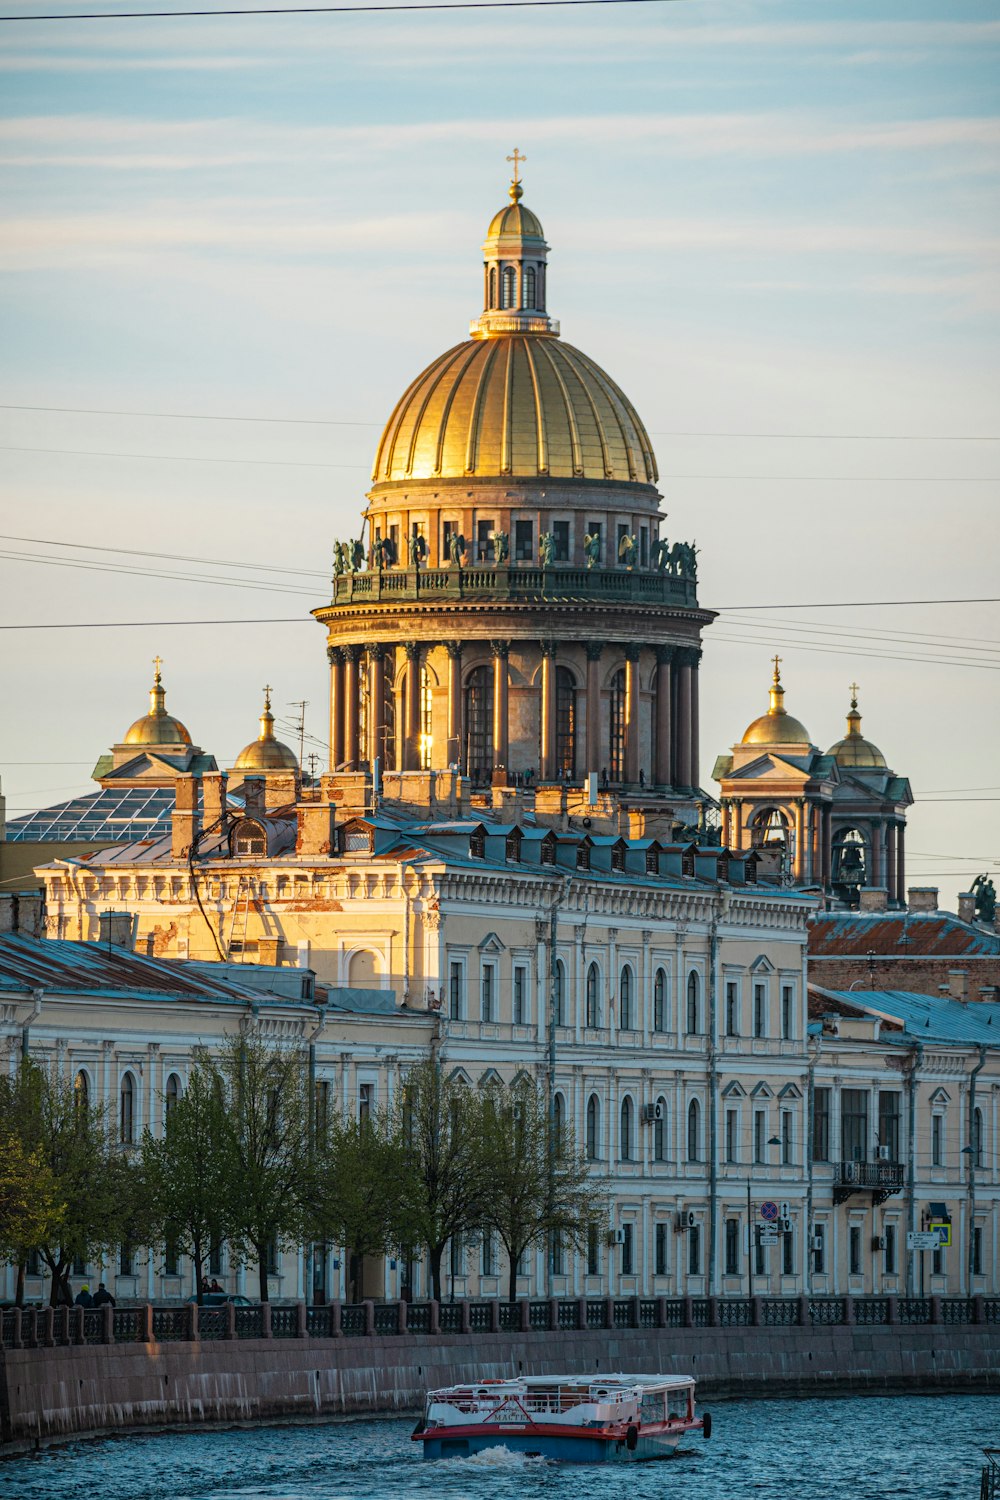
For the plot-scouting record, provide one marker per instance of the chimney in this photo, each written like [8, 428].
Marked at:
[281, 789]
[214, 809]
[958, 984]
[184, 819]
[316, 835]
[966, 907]
[874, 898]
[253, 794]
[922, 898]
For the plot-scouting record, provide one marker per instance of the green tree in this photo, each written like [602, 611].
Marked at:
[540, 1188]
[265, 1091]
[190, 1171]
[441, 1129]
[363, 1189]
[30, 1210]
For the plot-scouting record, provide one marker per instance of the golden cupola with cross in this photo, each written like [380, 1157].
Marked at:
[155, 749]
[511, 611]
[266, 753]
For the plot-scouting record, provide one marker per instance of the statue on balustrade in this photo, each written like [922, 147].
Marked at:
[339, 559]
[355, 556]
[592, 548]
[546, 548]
[985, 893]
[456, 548]
[418, 549]
[383, 553]
[628, 551]
[501, 547]
[661, 555]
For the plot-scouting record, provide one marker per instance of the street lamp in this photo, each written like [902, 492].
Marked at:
[774, 1141]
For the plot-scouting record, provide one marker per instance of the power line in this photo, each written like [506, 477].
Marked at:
[856, 651]
[189, 458]
[198, 416]
[903, 636]
[844, 604]
[317, 10]
[158, 624]
[220, 562]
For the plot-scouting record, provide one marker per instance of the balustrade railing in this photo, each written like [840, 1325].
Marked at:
[285, 1322]
[418, 1317]
[480, 1317]
[734, 1312]
[450, 1317]
[170, 1325]
[510, 1316]
[386, 1319]
[871, 1310]
[913, 1310]
[213, 1323]
[352, 1320]
[597, 1312]
[780, 1312]
[516, 581]
[539, 1316]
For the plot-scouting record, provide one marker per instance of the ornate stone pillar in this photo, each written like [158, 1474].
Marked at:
[682, 719]
[632, 712]
[411, 716]
[335, 657]
[548, 769]
[501, 728]
[453, 753]
[827, 845]
[663, 773]
[352, 706]
[376, 705]
[738, 823]
[594, 649]
[695, 657]
[890, 861]
[900, 862]
[799, 864]
[726, 825]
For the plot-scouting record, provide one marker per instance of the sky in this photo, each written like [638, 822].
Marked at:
[229, 244]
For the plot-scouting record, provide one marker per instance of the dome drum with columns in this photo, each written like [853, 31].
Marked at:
[563, 637]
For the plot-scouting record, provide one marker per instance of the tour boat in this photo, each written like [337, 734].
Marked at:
[577, 1419]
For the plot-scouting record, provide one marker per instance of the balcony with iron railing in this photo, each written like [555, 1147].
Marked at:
[880, 1178]
[515, 582]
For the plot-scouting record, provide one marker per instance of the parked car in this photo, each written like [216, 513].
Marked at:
[219, 1299]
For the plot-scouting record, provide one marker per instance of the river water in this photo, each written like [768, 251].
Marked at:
[855, 1448]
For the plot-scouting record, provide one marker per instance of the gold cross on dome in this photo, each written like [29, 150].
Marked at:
[854, 692]
[516, 158]
[157, 664]
[777, 663]
[267, 695]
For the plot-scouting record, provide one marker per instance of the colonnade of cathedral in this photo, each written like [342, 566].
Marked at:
[813, 836]
[359, 675]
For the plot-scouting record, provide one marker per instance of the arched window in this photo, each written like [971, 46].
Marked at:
[558, 993]
[426, 719]
[626, 1018]
[528, 298]
[625, 1138]
[558, 1122]
[593, 1128]
[479, 726]
[694, 1131]
[81, 1091]
[565, 723]
[509, 284]
[593, 996]
[693, 1018]
[616, 719]
[660, 1001]
[171, 1094]
[977, 1137]
[126, 1111]
[660, 1131]
[493, 287]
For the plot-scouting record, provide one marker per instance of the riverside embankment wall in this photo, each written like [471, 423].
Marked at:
[53, 1394]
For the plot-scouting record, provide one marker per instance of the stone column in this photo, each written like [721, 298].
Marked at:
[738, 823]
[726, 825]
[632, 713]
[453, 753]
[695, 657]
[890, 861]
[664, 772]
[376, 705]
[900, 862]
[682, 721]
[352, 706]
[799, 863]
[547, 770]
[827, 844]
[335, 657]
[410, 760]
[501, 728]
[594, 649]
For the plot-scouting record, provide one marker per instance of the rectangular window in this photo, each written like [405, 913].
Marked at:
[854, 1250]
[786, 1137]
[457, 1255]
[215, 1260]
[126, 1260]
[759, 1009]
[484, 541]
[759, 1134]
[977, 1251]
[819, 1249]
[890, 1250]
[660, 1245]
[593, 1251]
[787, 1011]
[170, 1258]
[628, 1252]
[33, 1267]
[732, 1010]
[937, 1140]
[558, 1254]
[732, 1247]
[321, 1110]
[364, 1101]
[455, 996]
[854, 1125]
[694, 1251]
[487, 992]
[520, 984]
[732, 1135]
[643, 545]
[937, 1262]
[560, 534]
[394, 539]
[489, 1259]
[889, 1113]
[524, 541]
[760, 1264]
[821, 1125]
[447, 527]
[788, 1253]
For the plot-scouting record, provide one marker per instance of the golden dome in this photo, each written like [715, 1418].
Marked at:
[265, 753]
[777, 727]
[515, 404]
[157, 727]
[854, 749]
[517, 220]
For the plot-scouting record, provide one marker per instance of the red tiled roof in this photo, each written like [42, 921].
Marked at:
[849, 935]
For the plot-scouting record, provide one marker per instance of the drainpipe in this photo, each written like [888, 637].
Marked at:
[814, 1051]
[916, 1058]
[557, 901]
[36, 996]
[406, 941]
[974, 1145]
[720, 909]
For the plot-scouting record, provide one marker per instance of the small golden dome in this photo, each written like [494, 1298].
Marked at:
[157, 727]
[854, 749]
[515, 220]
[777, 727]
[521, 404]
[265, 753]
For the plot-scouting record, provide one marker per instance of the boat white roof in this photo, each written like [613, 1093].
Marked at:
[589, 1379]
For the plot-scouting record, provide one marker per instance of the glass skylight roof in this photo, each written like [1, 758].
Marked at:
[117, 816]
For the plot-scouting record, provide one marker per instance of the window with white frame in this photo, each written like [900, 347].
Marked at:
[787, 1012]
[732, 1008]
[456, 990]
[593, 1130]
[732, 1135]
[626, 999]
[693, 1003]
[520, 994]
[786, 1137]
[660, 1130]
[593, 996]
[487, 992]
[625, 1135]
[660, 1001]
[760, 1010]
[937, 1140]
[694, 1131]
[126, 1110]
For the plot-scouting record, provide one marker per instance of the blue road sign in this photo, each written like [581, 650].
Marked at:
[769, 1211]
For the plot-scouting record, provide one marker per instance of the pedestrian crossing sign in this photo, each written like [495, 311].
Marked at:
[943, 1227]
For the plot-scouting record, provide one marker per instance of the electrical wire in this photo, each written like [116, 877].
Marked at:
[315, 10]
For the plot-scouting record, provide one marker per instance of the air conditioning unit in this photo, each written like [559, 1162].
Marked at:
[619, 1236]
[686, 1219]
[651, 1113]
[817, 1242]
[884, 1153]
[878, 1241]
[850, 1171]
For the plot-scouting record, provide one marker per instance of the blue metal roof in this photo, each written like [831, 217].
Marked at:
[926, 1018]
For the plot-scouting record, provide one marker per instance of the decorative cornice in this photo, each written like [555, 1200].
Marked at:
[335, 655]
[352, 651]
